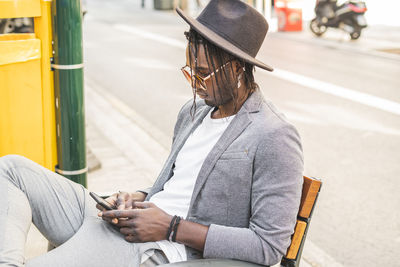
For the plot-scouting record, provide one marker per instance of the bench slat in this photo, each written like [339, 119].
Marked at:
[311, 188]
[296, 240]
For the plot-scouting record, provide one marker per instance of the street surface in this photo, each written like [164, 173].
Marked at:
[344, 104]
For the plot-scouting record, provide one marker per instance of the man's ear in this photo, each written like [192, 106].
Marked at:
[238, 67]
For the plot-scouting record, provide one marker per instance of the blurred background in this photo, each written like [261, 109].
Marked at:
[343, 96]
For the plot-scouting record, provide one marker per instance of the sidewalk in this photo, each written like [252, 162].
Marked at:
[375, 40]
[130, 157]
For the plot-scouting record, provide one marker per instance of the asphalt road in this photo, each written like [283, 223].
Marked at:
[350, 140]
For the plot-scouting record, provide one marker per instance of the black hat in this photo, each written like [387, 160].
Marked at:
[233, 26]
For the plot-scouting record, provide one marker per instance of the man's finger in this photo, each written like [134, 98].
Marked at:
[120, 213]
[99, 207]
[130, 238]
[121, 200]
[127, 231]
[107, 220]
[100, 214]
[142, 205]
[126, 223]
[112, 199]
[128, 204]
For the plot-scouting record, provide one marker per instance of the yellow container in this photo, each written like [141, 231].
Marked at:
[27, 103]
[21, 113]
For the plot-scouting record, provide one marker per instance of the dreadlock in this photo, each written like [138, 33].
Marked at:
[213, 54]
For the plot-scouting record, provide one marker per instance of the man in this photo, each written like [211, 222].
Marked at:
[230, 188]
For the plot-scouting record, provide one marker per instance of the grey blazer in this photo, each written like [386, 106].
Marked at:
[248, 189]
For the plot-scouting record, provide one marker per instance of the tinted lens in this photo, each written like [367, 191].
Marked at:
[197, 79]
[187, 75]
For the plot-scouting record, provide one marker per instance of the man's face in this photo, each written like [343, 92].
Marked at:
[216, 94]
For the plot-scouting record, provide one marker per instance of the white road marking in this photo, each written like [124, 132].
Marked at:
[150, 63]
[336, 90]
[330, 115]
[325, 87]
[151, 36]
[294, 116]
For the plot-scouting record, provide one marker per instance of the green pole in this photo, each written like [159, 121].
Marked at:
[68, 85]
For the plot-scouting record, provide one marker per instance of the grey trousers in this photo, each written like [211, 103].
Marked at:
[66, 215]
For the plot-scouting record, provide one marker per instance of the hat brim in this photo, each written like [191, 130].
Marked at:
[221, 42]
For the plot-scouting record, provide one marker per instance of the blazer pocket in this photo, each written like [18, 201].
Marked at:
[234, 155]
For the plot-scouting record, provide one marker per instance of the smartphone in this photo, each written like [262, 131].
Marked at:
[101, 201]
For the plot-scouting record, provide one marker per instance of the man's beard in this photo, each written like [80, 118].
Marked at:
[220, 101]
[217, 102]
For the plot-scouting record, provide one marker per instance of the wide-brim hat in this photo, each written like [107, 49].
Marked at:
[233, 26]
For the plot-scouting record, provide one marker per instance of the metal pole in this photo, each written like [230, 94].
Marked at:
[68, 84]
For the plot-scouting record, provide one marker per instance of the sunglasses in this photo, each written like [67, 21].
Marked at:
[196, 78]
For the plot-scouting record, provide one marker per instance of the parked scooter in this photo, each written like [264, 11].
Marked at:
[348, 16]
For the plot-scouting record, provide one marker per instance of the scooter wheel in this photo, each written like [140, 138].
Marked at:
[316, 28]
[355, 35]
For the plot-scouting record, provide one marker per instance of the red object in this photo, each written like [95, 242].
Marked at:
[289, 16]
[358, 9]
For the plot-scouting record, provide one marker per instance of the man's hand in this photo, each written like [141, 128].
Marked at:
[144, 223]
[122, 201]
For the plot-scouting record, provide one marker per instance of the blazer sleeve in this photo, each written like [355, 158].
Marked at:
[275, 199]
[145, 191]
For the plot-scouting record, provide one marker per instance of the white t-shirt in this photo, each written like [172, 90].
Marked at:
[177, 193]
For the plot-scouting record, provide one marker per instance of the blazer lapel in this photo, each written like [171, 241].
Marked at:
[235, 128]
[187, 128]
